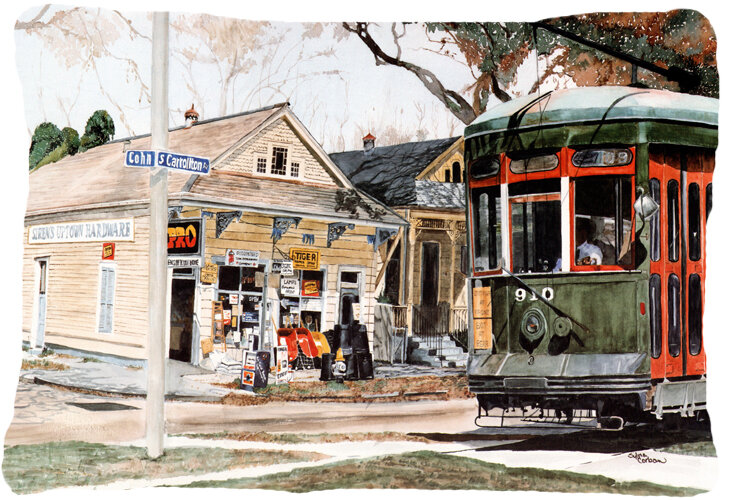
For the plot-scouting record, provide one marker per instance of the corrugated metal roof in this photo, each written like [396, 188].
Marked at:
[591, 104]
[388, 173]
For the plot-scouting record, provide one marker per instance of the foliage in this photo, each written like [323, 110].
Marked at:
[69, 146]
[350, 200]
[71, 139]
[98, 130]
[495, 53]
[46, 138]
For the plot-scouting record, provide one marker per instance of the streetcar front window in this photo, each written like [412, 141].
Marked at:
[535, 226]
[603, 221]
[487, 227]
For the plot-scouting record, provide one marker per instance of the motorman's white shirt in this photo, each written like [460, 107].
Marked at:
[586, 249]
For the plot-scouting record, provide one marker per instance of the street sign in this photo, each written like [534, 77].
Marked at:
[166, 159]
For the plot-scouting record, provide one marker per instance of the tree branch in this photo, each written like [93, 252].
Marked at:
[451, 99]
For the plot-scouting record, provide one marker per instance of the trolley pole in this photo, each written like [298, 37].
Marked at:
[157, 239]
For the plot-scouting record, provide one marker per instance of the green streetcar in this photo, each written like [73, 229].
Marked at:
[587, 216]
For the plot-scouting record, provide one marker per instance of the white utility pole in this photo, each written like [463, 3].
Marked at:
[157, 242]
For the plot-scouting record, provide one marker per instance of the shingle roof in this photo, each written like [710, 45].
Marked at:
[389, 172]
[432, 194]
[98, 177]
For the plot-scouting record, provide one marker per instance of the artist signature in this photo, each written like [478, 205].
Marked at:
[642, 458]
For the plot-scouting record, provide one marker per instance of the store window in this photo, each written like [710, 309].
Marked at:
[302, 300]
[240, 292]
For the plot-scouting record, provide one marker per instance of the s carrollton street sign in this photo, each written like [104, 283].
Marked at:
[165, 159]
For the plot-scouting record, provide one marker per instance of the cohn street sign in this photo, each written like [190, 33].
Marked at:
[165, 159]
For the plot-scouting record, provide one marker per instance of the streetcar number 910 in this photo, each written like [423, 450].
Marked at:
[547, 294]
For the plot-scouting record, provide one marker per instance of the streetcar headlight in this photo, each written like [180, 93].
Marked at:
[533, 324]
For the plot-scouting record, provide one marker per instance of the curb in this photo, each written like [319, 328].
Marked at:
[32, 379]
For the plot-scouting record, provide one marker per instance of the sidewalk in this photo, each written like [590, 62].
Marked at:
[184, 381]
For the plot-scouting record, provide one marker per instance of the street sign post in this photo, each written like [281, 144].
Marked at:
[169, 160]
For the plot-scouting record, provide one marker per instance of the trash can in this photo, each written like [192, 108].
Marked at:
[327, 360]
[364, 365]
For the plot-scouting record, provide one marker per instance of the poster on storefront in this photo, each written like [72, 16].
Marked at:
[289, 287]
[209, 273]
[310, 288]
[234, 298]
[282, 267]
[305, 259]
[245, 258]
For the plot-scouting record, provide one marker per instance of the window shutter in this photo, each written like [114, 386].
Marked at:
[107, 289]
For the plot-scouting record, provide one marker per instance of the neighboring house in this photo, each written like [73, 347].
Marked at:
[272, 194]
[424, 267]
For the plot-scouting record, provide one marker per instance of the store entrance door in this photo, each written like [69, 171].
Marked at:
[181, 319]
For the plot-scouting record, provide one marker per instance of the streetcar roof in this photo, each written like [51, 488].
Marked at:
[595, 104]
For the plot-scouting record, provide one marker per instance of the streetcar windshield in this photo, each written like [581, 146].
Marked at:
[535, 225]
[487, 227]
[603, 221]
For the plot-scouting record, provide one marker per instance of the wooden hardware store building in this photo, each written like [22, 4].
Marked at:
[275, 233]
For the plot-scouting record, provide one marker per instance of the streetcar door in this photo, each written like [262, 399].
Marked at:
[678, 178]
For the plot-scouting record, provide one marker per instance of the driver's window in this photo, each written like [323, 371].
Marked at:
[602, 227]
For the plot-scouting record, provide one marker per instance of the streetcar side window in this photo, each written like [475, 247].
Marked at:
[673, 232]
[694, 222]
[656, 316]
[486, 227]
[674, 316]
[695, 307]
[654, 187]
[603, 221]
[708, 200]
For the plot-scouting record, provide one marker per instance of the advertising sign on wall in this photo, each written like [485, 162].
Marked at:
[109, 251]
[209, 273]
[183, 237]
[289, 287]
[246, 258]
[305, 259]
[482, 319]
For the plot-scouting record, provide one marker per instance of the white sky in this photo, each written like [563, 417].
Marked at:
[368, 103]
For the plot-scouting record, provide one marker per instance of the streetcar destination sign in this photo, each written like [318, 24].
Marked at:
[165, 159]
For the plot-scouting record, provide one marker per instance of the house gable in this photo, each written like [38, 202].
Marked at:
[282, 149]
[444, 168]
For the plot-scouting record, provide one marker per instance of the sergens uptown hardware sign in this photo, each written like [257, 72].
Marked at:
[76, 232]
[165, 159]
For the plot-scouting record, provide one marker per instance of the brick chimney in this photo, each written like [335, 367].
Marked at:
[191, 116]
[368, 143]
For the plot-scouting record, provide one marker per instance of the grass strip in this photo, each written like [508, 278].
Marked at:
[39, 467]
[428, 470]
